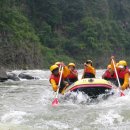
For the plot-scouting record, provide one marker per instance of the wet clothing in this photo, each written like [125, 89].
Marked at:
[54, 80]
[110, 77]
[63, 84]
[66, 72]
[89, 72]
[123, 75]
[72, 77]
[123, 78]
[89, 75]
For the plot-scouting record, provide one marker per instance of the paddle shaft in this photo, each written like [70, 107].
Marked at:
[116, 73]
[57, 92]
[121, 93]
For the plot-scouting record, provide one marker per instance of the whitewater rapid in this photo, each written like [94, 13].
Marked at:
[26, 105]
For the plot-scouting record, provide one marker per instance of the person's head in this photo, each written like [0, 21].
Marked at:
[71, 66]
[109, 68]
[89, 62]
[54, 69]
[122, 64]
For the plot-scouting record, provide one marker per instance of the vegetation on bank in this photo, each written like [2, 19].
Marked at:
[37, 33]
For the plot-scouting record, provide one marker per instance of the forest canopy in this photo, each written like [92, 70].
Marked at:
[37, 33]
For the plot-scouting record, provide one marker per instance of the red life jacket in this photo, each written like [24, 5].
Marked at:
[108, 75]
[56, 78]
[121, 74]
[71, 75]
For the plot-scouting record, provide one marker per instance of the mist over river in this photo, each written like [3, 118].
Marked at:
[26, 105]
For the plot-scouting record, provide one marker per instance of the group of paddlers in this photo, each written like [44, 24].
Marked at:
[69, 73]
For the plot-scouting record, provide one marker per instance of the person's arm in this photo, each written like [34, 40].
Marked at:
[112, 65]
[66, 71]
[74, 72]
[126, 82]
[54, 85]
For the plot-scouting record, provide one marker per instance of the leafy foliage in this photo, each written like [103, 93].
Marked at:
[41, 32]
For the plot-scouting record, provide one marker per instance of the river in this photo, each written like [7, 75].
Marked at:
[26, 105]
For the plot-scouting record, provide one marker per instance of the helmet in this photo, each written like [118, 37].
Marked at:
[58, 63]
[53, 67]
[71, 64]
[122, 63]
[109, 66]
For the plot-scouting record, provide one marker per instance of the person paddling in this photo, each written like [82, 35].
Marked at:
[110, 75]
[89, 70]
[123, 73]
[73, 76]
[55, 76]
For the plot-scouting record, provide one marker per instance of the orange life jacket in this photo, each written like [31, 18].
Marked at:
[89, 73]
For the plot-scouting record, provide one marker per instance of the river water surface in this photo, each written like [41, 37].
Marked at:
[26, 105]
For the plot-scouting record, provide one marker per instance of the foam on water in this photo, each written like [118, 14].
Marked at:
[26, 105]
[9, 126]
[109, 118]
[13, 117]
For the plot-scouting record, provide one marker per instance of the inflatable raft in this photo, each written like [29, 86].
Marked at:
[91, 86]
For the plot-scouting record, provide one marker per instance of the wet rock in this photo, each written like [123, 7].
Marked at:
[13, 77]
[3, 75]
[25, 76]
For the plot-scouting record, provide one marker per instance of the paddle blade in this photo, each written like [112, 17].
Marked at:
[55, 102]
[122, 94]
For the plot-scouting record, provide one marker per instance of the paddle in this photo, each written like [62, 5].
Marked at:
[121, 93]
[55, 101]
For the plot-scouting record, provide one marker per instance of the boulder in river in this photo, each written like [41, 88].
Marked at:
[25, 76]
[3, 75]
[13, 77]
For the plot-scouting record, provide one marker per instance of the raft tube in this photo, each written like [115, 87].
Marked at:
[93, 87]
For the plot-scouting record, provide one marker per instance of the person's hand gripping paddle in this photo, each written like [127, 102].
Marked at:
[121, 92]
[55, 101]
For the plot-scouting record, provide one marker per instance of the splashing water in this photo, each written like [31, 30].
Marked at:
[26, 105]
